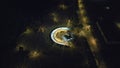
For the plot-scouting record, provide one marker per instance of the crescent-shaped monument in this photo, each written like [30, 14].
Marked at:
[58, 36]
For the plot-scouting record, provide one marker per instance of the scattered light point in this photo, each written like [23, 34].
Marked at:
[34, 54]
[28, 31]
[63, 6]
[107, 7]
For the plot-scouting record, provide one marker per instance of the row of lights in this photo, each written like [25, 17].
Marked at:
[87, 30]
[82, 12]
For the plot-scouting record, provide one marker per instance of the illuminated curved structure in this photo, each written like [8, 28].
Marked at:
[61, 36]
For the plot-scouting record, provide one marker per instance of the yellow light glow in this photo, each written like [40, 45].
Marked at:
[93, 44]
[34, 54]
[87, 27]
[59, 34]
[81, 6]
[69, 23]
[28, 31]
[82, 12]
[85, 20]
[53, 14]
[82, 33]
[93, 41]
[54, 17]
[62, 6]
[71, 45]
[118, 25]
[76, 31]
[80, 1]
[42, 29]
